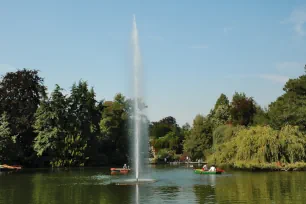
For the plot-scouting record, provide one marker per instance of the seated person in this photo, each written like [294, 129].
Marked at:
[205, 167]
[124, 166]
[212, 168]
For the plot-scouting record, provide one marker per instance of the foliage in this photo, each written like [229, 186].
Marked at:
[168, 154]
[222, 101]
[261, 116]
[21, 93]
[160, 129]
[220, 115]
[200, 138]
[83, 126]
[168, 121]
[170, 141]
[20, 96]
[67, 128]
[7, 140]
[242, 109]
[185, 132]
[77, 130]
[290, 108]
[52, 127]
[224, 133]
[186, 127]
[292, 144]
[262, 144]
[114, 128]
[257, 144]
[166, 134]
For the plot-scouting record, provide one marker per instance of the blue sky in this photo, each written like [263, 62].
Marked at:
[192, 50]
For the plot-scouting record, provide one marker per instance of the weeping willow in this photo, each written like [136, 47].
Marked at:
[292, 144]
[169, 141]
[262, 145]
[258, 144]
[225, 133]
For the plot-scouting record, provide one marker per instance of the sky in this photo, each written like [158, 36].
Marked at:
[192, 51]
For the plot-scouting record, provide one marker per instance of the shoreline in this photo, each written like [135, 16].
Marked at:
[270, 167]
[244, 166]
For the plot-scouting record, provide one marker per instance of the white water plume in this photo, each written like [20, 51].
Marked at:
[140, 136]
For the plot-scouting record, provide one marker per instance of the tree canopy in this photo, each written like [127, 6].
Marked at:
[76, 129]
[20, 95]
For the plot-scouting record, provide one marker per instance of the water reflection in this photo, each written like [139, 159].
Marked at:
[174, 185]
[166, 192]
[204, 194]
[270, 187]
[137, 194]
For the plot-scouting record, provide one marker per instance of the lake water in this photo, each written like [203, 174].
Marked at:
[173, 185]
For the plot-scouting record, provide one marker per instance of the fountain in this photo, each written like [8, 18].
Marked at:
[139, 141]
[137, 95]
[139, 120]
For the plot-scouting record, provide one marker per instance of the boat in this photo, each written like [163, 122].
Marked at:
[201, 171]
[119, 171]
[6, 167]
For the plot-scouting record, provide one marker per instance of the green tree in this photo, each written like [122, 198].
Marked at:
[169, 121]
[162, 127]
[200, 138]
[166, 134]
[222, 101]
[83, 125]
[114, 129]
[169, 141]
[261, 116]
[220, 115]
[186, 127]
[51, 127]
[290, 108]
[185, 133]
[292, 144]
[242, 109]
[20, 95]
[224, 133]
[262, 145]
[7, 140]
[68, 127]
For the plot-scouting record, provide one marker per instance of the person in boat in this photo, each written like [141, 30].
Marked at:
[124, 166]
[212, 168]
[205, 168]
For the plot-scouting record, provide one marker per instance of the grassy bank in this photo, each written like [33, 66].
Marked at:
[255, 166]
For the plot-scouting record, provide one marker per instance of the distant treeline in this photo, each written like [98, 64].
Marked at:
[75, 129]
[241, 133]
[61, 130]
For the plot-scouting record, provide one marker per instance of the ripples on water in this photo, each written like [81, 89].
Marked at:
[174, 185]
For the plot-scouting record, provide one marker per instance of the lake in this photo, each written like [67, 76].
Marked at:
[174, 184]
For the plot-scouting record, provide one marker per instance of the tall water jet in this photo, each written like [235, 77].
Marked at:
[139, 142]
[137, 96]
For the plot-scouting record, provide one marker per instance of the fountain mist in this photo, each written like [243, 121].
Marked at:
[138, 123]
[139, 127]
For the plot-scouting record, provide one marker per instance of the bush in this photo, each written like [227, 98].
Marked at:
[166, 153]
